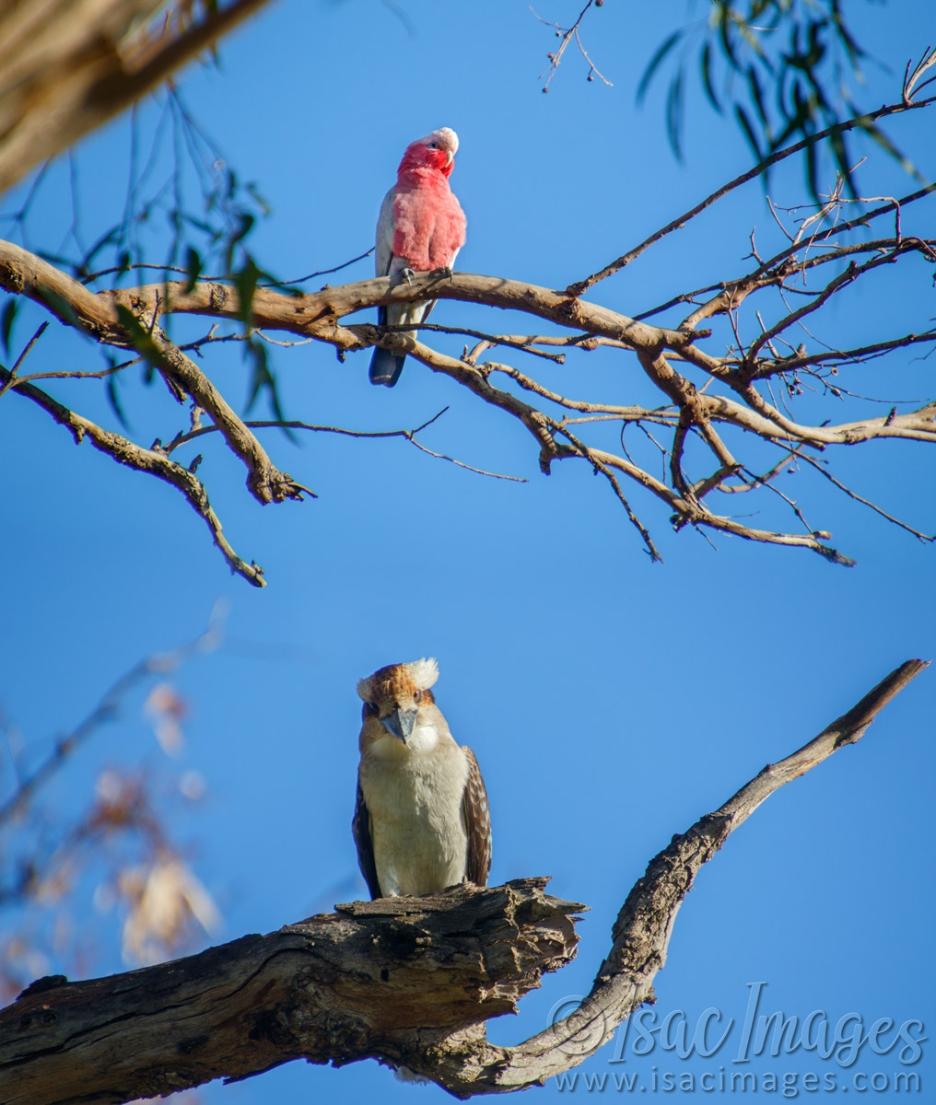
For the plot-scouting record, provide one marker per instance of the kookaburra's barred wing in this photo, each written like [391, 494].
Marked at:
[361, 829]
[476, 816]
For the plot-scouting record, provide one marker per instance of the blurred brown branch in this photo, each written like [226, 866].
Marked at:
[66, 68]
[122, 838]
[104, 711]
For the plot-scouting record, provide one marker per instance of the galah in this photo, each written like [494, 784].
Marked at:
[421, 227]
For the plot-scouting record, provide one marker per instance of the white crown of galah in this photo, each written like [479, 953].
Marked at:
[446, 137]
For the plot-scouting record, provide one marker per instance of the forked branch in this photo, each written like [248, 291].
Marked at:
[727, 374]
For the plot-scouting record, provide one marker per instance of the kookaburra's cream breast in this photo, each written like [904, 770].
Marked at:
[422, 821]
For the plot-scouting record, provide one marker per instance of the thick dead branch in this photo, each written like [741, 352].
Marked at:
[406, 981]
[374, 979]
[66, 68]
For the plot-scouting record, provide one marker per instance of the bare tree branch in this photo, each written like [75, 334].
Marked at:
[736, 405]
[151, 461]
[566, 36]
[370, 977]
[582, 286]
[749, 389]
[343, 431]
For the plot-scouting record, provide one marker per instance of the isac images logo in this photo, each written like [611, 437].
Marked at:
[850, 1053]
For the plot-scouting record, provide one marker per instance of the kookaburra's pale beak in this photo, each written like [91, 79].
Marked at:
[400, 723]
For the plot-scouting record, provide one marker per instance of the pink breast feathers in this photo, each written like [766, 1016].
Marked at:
[429, 225]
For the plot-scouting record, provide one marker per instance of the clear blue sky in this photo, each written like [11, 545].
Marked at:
[610, 701]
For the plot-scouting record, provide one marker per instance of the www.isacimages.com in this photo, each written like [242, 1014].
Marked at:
[789, 1084]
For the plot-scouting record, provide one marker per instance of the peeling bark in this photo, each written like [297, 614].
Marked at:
[374, 979]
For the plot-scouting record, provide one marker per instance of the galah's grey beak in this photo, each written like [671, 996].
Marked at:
[400, 723]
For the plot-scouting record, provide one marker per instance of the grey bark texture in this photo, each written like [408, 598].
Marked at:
[374, 979]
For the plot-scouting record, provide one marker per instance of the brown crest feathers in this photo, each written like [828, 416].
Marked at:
[398, 681]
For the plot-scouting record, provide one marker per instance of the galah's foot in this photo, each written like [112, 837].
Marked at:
[442, 273]
[407, 274]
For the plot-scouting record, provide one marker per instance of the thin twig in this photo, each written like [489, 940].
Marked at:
[582, 286]
[342, 431]
[926, 538]
[26, 350]
[566, 35]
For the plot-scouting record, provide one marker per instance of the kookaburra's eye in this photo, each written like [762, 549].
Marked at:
[370, 709]
[418, 696]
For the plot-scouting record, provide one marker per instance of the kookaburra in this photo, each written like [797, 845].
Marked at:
[422, 821]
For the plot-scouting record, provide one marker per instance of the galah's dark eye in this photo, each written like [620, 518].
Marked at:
[433, 145]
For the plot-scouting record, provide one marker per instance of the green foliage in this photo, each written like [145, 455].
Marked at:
[7, 318]
[112, 387]
[177, 176]
[782, 68]
[193, 267]
[139, 337]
